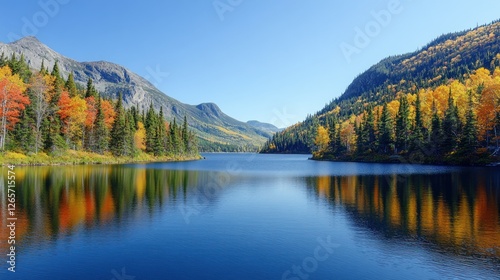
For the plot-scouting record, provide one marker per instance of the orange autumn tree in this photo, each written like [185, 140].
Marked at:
[12, 101]
[72, 112]
[109, 113]
[487, 112]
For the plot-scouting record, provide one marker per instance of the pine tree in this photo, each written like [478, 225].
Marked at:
[90, 90]
[150, 126]
[385, 131]
[361, 136]
[370, 131]
[469, 137]
[71, 85]
[436, 134]
[3, 60]
[130, 149]
[24, 134]
[54, 141]
[332, 134]
[185, 135]
[135, 116]
[20, 67]
[450, 127]
[174, 138]
[339, 147]
[59, 82]
[160, 137]
[118, 142]
[43, 70]
[101, 133]
[417, 139]
[403, 125]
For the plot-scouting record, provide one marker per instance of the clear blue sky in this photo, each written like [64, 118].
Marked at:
[273, 61]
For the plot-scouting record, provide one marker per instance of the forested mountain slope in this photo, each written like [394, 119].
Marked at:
[215, 130]
[452, 80]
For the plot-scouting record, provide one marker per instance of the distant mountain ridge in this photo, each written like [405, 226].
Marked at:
[264, 127]
[206, 119]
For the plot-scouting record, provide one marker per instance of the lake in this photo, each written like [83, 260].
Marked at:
[247, 216]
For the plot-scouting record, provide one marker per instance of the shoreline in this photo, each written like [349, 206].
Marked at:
[403, 160]
[72, 157]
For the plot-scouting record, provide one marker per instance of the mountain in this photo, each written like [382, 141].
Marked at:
[267, 128]
[446, 71]
[216, 130]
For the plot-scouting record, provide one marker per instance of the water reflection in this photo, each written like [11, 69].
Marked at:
[57, 201]
[459, 212]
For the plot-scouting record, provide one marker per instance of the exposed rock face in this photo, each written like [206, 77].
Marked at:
[110, 79]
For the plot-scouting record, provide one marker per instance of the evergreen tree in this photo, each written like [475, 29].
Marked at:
[450, 127]
[332, 134]
[20, 67]
[150, 127]
[385, 131]
[160, 137]
[403, 125]
[339, 148]
[3, 60]
[417, 139]
[59, 82]
[185, 135]
[90, 90]
[119, 132]
[101, 133]
[361, 136]
[469, 137]
[174, 138]
[24, 135]
[71, 85]
[135, 117]
[436, 134]
[43, 70]
[129, 132]
[54, 141]
[370, 131]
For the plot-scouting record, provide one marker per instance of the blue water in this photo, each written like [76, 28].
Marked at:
[246, 216]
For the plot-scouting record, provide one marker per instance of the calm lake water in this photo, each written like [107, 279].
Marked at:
[246, 216]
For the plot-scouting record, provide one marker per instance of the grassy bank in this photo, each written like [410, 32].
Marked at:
[72, 157]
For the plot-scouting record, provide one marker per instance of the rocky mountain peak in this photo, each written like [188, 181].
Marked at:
[210, 108]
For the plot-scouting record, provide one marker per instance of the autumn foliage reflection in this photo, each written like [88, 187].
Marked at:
[57, 201]
[457, 211]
